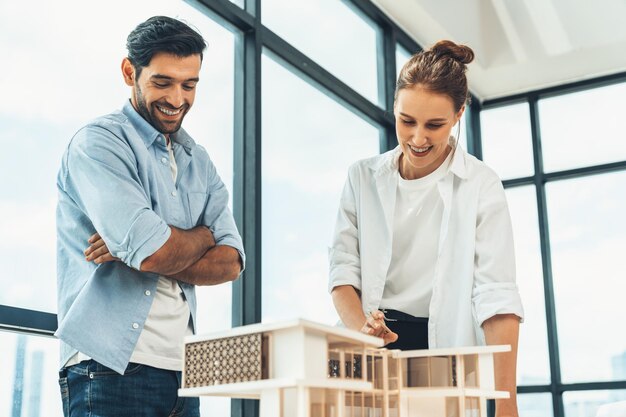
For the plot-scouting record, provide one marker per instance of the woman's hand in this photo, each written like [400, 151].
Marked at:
[375, 326]
[98, 251]
[347, 301]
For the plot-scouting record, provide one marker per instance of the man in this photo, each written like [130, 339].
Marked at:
[142, 218]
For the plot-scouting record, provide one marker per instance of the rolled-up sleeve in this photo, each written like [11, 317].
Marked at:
[102, 179]
[494, 291]
[344, 256]
[218, 217]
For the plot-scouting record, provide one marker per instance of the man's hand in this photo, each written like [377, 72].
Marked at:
[98, 251]
[181, 250]
[375, 326]
[219, 264]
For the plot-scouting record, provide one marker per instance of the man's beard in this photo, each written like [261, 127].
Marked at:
[151, 115]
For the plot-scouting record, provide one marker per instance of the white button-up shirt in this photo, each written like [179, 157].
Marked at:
[475, 266]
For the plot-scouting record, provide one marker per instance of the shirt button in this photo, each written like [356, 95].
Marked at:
[164, 160]
[147, 292]
[174, 193]
[160, 139]
[135, 325]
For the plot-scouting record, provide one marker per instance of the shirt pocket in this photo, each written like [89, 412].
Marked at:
[196, 203]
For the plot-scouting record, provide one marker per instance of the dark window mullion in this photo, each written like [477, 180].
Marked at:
[27, 321]
[472, 124]
[387, 82]
[247, 176]
[544, 237]
[246, 299]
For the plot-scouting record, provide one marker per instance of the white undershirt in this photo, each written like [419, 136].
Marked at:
[416, 227]
[160, 343]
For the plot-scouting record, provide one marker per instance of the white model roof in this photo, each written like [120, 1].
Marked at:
[466, 350]
[253, 389]
[335, 334]
[428, 392]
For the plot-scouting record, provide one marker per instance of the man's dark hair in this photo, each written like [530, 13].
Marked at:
[162, 34]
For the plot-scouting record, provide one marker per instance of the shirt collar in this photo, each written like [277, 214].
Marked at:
[457, 165]
[389, 163]
[149, 134]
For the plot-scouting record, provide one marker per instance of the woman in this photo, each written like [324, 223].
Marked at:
[422, 253]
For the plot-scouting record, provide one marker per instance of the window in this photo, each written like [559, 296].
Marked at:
[587, 403]
[82, 80]
[333, 34]
[587, 225]
[402, 56]
[583, 129]
[309, 141]
[507, 142]
[42, 118]
[535, 405]
[586, 235]
[29, 376]
[533, 366]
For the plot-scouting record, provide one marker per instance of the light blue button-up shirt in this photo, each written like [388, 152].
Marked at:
[115, 179]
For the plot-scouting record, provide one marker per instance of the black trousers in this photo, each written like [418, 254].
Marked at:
[412, 331]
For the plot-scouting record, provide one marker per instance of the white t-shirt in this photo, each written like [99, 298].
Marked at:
[168, 322]
[416, 225]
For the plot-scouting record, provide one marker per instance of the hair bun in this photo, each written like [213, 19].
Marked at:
[461, 53]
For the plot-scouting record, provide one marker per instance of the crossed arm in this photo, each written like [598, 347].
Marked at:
[189, 256]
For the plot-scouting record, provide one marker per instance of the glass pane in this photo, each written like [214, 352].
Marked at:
[593, 403]
[240, 3]
[507, 140]
[584, 128]
[533, 365]
[331, 33]
[30, 366]
[588, 237]
[402, 55]
[309, 141]
[535, 405]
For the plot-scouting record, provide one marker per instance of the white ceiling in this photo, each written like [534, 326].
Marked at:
[521, 45]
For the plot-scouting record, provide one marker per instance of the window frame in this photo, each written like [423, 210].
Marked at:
[556, 387]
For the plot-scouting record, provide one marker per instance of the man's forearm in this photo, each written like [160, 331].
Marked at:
[503, 329]
[182, 250]
[218, 265]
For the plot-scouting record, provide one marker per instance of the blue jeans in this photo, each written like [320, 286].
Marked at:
[91, 389]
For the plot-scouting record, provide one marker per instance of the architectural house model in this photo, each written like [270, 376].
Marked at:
[304, 369]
